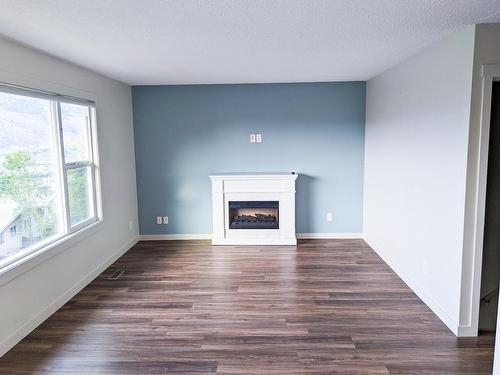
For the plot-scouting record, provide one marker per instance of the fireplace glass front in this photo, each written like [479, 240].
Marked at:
[254, 215]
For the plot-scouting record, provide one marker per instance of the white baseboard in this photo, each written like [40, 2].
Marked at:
[208, 236]
[327, 236]
[29, 326]
[173, 237]
[466, 331]
[418, 290]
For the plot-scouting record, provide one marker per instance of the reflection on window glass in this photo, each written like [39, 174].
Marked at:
[75, 121]
[30, 200]
[79, 194]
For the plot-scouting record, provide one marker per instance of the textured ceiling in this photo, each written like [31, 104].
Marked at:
[230, 41]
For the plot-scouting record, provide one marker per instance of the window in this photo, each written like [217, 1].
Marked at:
[48, 169]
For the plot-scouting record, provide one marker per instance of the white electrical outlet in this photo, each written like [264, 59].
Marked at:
[165, 219]
[258, 138]
[158, 220]
[130, 224]
[252, 138]
[329, 216]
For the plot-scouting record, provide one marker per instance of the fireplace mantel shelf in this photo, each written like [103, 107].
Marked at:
[254, 176]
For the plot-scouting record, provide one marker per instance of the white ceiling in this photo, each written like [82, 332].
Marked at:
[235, 41]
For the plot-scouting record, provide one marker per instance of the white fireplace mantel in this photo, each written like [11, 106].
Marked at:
[253, 187]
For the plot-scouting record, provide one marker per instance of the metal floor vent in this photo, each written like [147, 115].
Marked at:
[116, 275]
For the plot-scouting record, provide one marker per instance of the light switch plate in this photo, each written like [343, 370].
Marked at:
[258, 138]
[158, 220]
[252, 138]
[165, 219]
[329, 216]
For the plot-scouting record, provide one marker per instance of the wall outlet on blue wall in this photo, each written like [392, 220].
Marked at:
[161, 220]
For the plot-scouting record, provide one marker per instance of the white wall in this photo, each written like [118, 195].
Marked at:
[31, 297]
[417, 124]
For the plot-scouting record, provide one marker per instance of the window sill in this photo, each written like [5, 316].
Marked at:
[13, 270]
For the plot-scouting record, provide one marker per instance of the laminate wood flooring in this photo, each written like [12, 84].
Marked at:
[186, 307]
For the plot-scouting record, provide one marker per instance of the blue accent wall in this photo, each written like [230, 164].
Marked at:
[184, 133]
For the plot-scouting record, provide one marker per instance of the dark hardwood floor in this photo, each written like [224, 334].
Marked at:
[323, 307]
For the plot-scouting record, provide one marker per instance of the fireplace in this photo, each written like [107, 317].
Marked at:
[253, 214]
[253, 208]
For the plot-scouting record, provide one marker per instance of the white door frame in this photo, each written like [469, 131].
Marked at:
[496, 358]
[490, 73]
